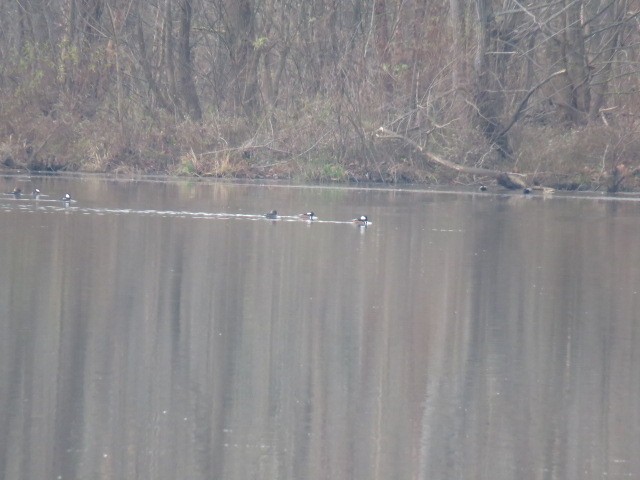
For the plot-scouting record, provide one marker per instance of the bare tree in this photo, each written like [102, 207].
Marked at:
[488, 95]
[383, 46]
[187, 84]
[242, 42]
[471, 86]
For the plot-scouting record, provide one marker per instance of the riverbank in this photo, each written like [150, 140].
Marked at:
[299, 91]
[582, 159]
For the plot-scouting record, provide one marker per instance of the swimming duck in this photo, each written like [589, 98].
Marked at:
[362, 221]
[36, 193]
[17, 192]
[308, 216]
[66, 198]
[272, 215]
[483, 188]
[526, 191]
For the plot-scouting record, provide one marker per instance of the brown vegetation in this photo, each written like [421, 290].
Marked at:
[284, 89]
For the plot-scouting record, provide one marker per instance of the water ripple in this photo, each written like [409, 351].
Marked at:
[44, 206]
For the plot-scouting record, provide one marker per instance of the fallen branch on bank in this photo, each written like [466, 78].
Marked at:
[512, 181]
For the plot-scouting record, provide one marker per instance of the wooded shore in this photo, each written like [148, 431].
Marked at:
[443, 92]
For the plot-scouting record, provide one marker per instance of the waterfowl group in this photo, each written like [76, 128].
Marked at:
[36, 194]
[362, 220]
[273, 215]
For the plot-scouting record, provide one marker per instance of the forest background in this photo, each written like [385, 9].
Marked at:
[298, 89]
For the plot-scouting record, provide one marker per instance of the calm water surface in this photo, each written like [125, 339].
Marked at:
[165, 330]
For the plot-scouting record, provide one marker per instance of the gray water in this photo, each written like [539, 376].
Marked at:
[166, 330]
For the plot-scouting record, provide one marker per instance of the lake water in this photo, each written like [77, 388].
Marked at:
[165, 330]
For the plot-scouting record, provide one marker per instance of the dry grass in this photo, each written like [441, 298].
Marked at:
[315, 144]
[585, 158]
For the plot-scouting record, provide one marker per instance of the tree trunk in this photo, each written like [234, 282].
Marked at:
[578, 83]
[382, 46]
[459, 67]
[168, 55]
[90, 18]
[149, 76]
[457, 31]
[486, 91]
[241, 32]
[187, 85]
[609, 46]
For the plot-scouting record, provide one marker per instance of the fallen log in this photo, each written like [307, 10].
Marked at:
[512, 181]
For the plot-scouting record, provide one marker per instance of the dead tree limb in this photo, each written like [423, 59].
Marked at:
[523, 102]
[506, 179]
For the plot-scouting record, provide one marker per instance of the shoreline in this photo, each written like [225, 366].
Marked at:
[408, 187]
